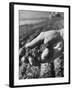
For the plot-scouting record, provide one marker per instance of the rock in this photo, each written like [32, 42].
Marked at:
[32, 72]
[45, 70]
[59, 67]
[22, 70]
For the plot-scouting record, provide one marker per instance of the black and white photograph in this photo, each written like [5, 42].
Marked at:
[41, 45]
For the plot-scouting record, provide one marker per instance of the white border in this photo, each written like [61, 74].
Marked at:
[16, 46]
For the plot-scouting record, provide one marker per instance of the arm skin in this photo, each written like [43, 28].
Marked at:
[36, 40]
[46, 36]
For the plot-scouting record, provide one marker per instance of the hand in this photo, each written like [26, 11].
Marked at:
[46, 36]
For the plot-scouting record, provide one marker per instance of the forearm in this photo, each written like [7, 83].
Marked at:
[34, 41]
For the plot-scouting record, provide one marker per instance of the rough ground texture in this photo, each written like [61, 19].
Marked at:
[54, 66]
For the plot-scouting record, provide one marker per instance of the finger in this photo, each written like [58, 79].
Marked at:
[45, 54]
[30, 60]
